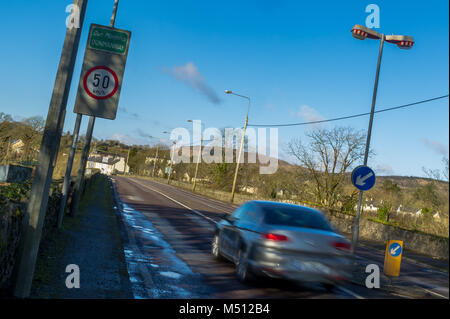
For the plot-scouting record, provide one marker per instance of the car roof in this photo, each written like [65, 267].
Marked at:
[273, 204]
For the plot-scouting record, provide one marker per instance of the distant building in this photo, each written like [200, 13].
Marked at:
[249, 189]
[151, 160]
[17, 146]
[108, 163]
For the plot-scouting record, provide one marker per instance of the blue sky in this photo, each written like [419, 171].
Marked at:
[296, 60]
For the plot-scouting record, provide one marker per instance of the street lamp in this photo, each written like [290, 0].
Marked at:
[171, 162]
[171, 159]
[198, 157]
[242, 143]
[403, 42]
[156, 157]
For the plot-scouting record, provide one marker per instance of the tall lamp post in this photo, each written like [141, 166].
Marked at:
[171, 162]
[198, 157]
[171, 159]
[242, 143]
[156, 159]
[403, 42]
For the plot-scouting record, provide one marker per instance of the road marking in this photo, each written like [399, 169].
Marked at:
[403, 296]
[351, 293]
[187, 193]
[347, 291]
[175, 201]
[435, 293]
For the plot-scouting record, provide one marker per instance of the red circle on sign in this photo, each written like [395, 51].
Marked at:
[92, 94]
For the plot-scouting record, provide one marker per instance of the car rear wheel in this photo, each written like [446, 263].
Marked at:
[243, 272]
[329, 287]
[215, 247]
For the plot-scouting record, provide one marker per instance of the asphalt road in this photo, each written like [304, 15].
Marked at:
[167, 234]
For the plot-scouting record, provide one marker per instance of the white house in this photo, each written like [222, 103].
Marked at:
[108, 163]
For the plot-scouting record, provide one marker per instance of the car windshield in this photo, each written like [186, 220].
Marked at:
[295, 217]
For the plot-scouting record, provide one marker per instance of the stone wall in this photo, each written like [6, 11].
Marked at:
[12, 214]
[426, 244]
[12, 211]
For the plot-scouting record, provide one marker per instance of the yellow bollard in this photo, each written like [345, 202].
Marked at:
[393, 258]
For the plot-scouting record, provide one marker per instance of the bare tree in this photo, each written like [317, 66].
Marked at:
[327, 157]
[445, 170]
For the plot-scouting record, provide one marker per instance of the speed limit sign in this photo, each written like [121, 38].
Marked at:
[100, 82]
[102, 73]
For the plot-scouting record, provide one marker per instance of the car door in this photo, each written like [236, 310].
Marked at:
[244, 229]
[227, 233]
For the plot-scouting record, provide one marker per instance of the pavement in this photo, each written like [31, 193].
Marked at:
[91, 240]
[165, 223]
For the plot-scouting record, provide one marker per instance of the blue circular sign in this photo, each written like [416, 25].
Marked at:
[395, 249]
[363, 178]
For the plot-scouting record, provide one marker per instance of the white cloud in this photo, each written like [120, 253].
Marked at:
[125, 139]
[190, 75]
[309, 114]
[384, 169]
[436, 146]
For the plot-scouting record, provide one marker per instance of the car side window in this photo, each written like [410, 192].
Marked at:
[251, 215]
[239, 212]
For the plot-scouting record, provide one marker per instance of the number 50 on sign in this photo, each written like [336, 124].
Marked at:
[102, 72]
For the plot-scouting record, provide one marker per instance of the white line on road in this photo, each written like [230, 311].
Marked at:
[351, 293]
[175, 201]
[345, 290]
[200, 198]
[435, 293]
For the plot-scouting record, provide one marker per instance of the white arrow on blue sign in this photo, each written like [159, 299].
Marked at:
[363, 178]
[395, 249]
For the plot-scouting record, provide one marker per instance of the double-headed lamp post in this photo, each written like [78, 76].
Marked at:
[403, 42]
[242, 143]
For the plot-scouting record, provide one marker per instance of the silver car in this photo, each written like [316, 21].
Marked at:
[282, 240]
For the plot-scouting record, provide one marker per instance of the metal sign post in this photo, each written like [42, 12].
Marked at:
[37, 205]
[102, 72]
[66, 184]
[100, 83]
[355, 233]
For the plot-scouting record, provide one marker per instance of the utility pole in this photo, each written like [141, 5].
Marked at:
[66, 185]
[242, 144]
[37, 205]
[156, 159]
[198, 163]
[171, 161]
[126, 163]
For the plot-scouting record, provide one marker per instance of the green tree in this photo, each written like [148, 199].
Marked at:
[391, 196]
[429, 195]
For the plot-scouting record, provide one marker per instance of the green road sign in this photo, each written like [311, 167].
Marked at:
[102, 72]
[109, 40]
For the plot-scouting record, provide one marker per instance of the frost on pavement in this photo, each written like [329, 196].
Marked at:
[153, 267]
